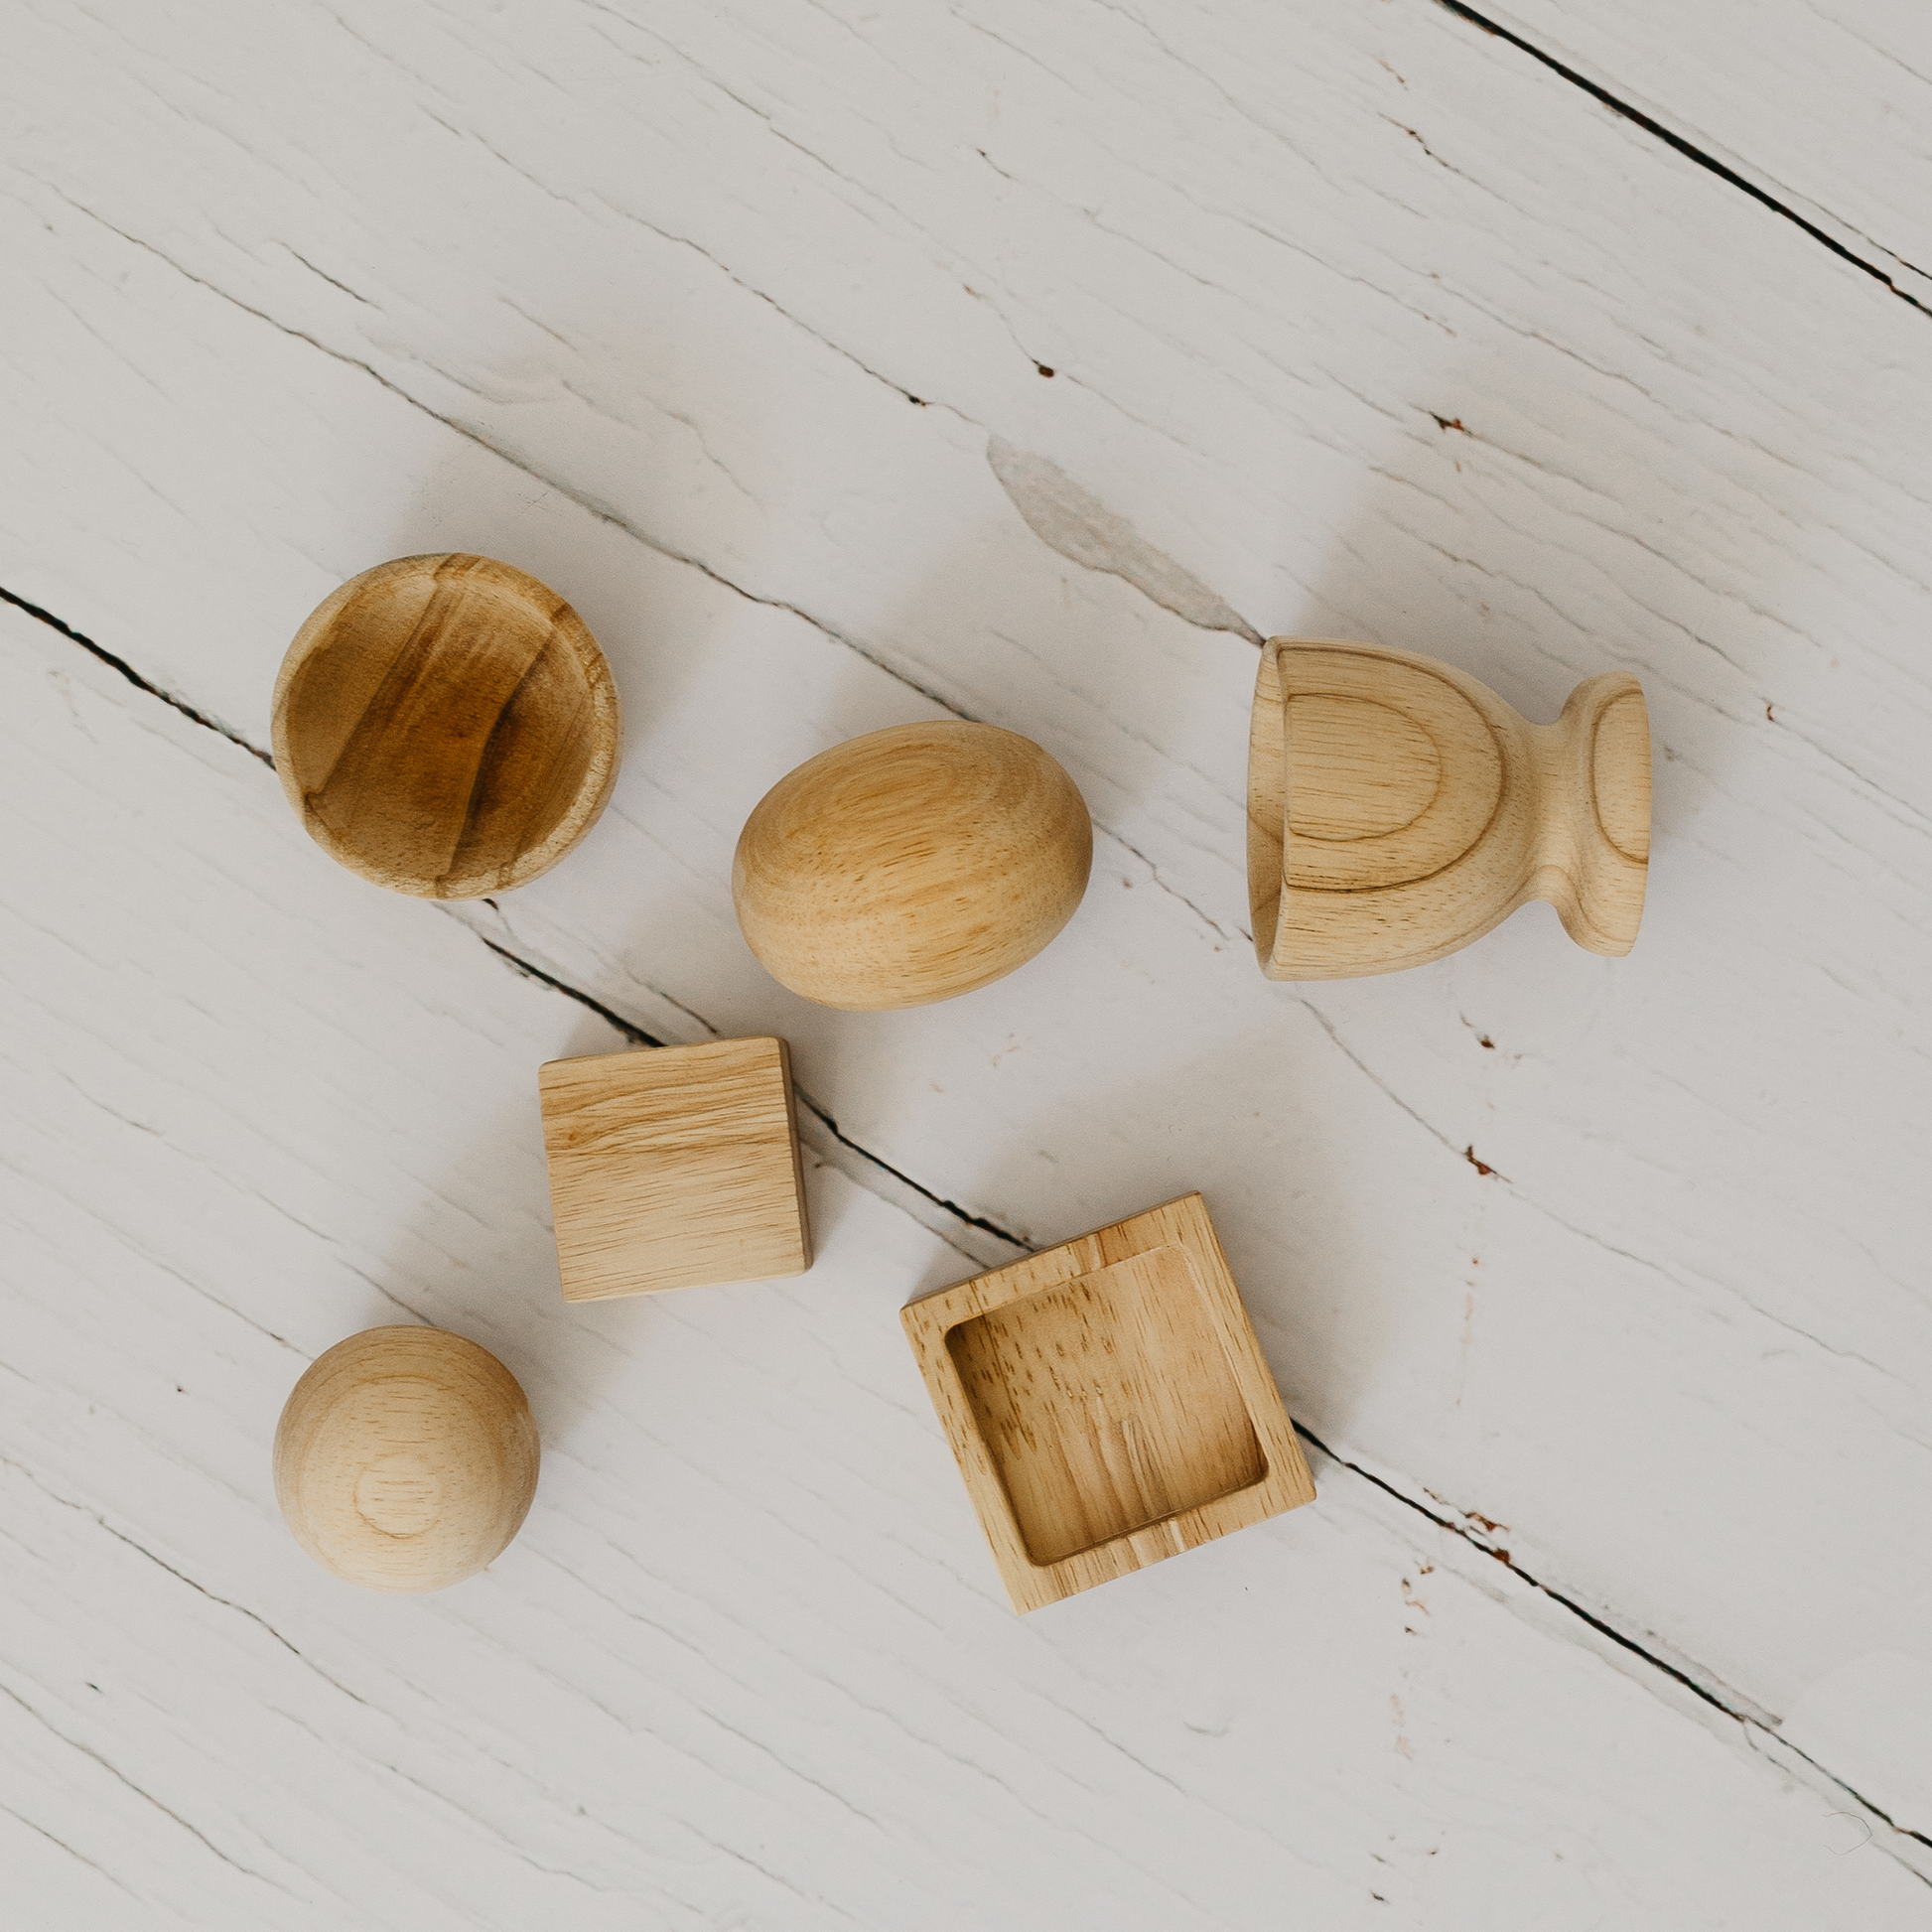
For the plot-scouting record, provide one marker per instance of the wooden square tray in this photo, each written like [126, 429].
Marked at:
[674, 1167]
[1108, 1404]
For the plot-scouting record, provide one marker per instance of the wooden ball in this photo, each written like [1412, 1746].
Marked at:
[912, 864]
[446, 725]
[405, 1458]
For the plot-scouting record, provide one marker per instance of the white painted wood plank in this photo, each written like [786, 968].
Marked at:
[1258, 293]
[747, 1663]
[1823, 105]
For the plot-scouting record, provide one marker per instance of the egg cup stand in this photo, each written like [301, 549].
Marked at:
[1398, 809]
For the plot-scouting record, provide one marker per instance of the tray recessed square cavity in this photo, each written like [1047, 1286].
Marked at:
[1107, 1403]
[674, 1167]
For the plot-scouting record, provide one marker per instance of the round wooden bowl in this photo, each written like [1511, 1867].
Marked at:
[912, 864]
[405, 1458]
[446, 725]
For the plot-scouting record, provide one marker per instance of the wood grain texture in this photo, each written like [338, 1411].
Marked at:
[405, 1458]
[446, 725]
[746, 1658]
[1398, 809]
[1108, 1404]
[1380, 331]
[674, 1167]
[912, 864]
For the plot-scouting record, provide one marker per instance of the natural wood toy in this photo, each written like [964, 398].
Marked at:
[1108, 1404]
[446, 725]
[674, 1167]
[1398, 809]
[405, 1458]
[912, 864]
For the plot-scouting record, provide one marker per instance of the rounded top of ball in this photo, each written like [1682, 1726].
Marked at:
[406, 1458]
[912, 864]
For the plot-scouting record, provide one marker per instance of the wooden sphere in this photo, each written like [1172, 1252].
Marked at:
[912, 864]
[405, 1458]
[446, 725]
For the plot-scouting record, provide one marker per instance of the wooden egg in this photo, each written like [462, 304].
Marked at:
[912, 864]
[405, 1458]
[446, 725]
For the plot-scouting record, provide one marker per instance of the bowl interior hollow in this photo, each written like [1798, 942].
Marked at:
[446, 725]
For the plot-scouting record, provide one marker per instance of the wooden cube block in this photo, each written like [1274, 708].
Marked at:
[1108, 1404]
[674, 1167]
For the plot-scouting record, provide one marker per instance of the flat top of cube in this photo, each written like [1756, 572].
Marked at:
[643, 1067]
[1108, 1403]
[674, 1167]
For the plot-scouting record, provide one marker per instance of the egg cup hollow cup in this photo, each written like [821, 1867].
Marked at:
[1107, 1403]
[1398, 809]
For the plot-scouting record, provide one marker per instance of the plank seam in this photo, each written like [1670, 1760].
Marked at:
[133, 676]
[1717, 1700]
[638, 1037]
[1687, 148]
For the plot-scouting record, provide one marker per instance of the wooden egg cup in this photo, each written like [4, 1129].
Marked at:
[446, 725]
[912, 864]
[405, 1458]
[1398, 809]
[1107, 1403]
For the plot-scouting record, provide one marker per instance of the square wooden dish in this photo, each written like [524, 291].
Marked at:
[1107, 1403]
[674, 1167]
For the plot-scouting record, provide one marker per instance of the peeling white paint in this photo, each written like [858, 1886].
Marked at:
[1073, 521]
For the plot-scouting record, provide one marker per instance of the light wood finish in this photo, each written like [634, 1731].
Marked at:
[912, 864]
[405, 1458]
[1398, 809]
[1107, 1403]
[446, 725]
[674, 1167]
[1691, 433]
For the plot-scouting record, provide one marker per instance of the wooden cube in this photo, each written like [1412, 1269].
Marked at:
[1108, 1404]
[674, 1167]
